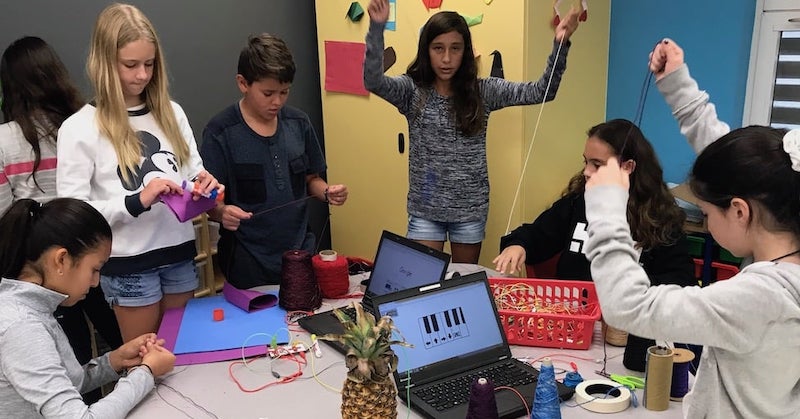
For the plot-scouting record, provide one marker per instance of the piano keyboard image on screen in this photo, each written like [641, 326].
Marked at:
[443, 326]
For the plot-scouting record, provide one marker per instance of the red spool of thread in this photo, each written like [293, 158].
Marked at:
[332, 274]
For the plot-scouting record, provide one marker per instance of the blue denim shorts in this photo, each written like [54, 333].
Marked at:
[148, 287]
[470, 232]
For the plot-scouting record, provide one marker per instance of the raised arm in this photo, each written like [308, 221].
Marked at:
[696, 116]
[499, 93]
[395, 90]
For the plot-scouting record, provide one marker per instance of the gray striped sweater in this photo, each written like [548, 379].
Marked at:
[447, 172]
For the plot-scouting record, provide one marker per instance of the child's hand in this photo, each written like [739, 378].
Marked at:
[131, 352]
[568, 25]
[208, 183]
[159, 359]
[512, 257]
[156, 187]
[609, 174]
[230, 216]
[378, 10]
[666, 57]
[337, 194]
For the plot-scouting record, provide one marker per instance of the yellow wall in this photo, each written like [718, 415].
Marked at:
[557, 152]
[361, 132]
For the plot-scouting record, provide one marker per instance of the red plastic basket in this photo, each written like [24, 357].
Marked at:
[551, 313]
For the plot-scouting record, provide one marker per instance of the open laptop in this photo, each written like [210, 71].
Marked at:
[457, 338]
[400, 264]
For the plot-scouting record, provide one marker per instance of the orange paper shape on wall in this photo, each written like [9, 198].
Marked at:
[432, 4]
[344, 67]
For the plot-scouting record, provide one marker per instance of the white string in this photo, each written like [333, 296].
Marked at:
[533, 138]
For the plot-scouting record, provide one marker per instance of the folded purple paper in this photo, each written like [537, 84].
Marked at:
[186, 208]
[248, 300]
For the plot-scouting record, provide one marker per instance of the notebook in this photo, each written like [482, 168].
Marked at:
[400, 264]
[457, 337]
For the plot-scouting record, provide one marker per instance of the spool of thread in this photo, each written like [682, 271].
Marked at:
[332, 273]
[614, 336]
[681, 362]
[572, 379]
[658, 378]
[482, 404]
[545, 398]
[298, 289]
[602, 396]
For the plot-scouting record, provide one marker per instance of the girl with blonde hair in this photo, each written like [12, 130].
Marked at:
[120, 153]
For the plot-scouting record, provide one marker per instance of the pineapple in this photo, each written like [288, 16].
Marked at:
[368, 391]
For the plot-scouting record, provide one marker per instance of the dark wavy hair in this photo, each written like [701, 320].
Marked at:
[28, 229]
[266, 56]
[654, 217]
[37, 92]
[467, 102]
[750, 163]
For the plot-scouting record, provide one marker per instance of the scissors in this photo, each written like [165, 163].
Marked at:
[627, 380]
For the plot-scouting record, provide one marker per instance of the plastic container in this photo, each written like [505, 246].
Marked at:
[698, 268]
[550, 313]
[696, 245]
[724, 271]
[726, 256]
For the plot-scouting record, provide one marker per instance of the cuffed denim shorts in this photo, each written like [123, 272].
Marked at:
[470, 232]
[148, 287]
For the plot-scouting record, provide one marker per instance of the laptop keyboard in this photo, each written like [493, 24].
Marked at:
[455, 392]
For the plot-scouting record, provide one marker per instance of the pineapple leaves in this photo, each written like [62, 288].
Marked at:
[369, 356]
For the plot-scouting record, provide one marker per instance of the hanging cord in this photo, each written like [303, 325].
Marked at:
[637, 119]
[296, 201]
[533, 138]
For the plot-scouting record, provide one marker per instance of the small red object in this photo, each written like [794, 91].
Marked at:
[219, 314]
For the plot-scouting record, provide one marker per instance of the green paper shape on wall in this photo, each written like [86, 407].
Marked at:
[473, 20]
[356, 12]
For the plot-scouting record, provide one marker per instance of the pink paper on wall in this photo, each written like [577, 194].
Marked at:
[344, 67]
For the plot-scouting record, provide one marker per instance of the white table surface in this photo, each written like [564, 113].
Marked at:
[207, 391]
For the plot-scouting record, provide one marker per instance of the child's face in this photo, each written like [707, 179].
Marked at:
[135, 67]
[596, 153]
[264, 97]
[77, 276]
[724, 226]
[446, 52]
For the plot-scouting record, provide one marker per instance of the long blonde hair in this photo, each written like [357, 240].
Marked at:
[116, 26]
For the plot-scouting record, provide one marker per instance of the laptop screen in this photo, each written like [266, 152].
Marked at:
[445, 324]
[400, 265]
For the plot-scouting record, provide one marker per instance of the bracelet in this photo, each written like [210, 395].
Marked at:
[326, 195]
[141, 365]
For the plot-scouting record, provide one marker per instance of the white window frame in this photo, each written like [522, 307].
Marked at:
[772, 18]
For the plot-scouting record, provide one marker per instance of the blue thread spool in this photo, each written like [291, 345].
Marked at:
[572, 379]
[681, 362]
[545, 399]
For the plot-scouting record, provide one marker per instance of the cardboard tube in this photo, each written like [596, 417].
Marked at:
[658, 378]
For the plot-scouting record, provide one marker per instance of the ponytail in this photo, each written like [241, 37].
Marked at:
[28, 229]
[15, 230]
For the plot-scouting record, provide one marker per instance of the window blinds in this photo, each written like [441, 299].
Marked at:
[786, 94]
